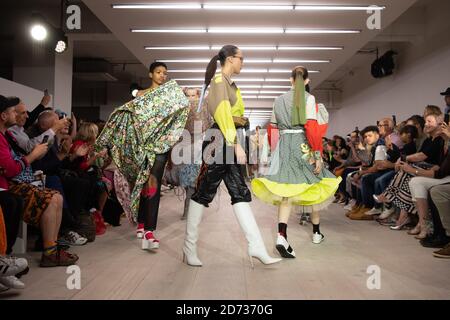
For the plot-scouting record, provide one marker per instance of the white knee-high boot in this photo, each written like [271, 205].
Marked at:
[194, 217]
[256, 247]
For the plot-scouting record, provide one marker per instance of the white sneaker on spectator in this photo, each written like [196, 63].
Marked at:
[12, 282]
[317, 238]
[72, 238]
[10, 266]
[350, 205]
[373, 211]
[386, 213]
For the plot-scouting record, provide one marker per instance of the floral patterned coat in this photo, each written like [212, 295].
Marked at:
[135, 132]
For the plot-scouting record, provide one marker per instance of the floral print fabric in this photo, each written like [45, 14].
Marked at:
[135, 132]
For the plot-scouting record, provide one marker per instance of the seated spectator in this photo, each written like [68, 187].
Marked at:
[424, 180]
[23, 140]
[85, 139]
[398, 192]
[378, 176]
[364, 152]
[45, 123]
[430, 109]
[42, 207]
[371, 135]
[50, 165]
[342, 150]
[328, 156]
[408, 135]
[351, 164]
[419, 123]
[83, 158]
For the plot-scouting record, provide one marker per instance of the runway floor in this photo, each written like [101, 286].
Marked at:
[114, 266]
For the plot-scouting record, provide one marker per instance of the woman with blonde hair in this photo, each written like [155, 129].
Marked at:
[83, 158]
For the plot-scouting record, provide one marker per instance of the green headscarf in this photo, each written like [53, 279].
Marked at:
[299, 106]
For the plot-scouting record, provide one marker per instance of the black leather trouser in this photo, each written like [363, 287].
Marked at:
[149, 207]
[211, 175]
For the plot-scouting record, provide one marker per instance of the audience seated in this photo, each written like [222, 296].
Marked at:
[42, 207]
[401, 174]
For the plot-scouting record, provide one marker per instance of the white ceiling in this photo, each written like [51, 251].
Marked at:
[121, 21]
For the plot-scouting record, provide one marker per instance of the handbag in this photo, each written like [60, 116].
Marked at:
[240, 122]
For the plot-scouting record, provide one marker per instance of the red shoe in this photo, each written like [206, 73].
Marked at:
[149, 192]
[100, 227]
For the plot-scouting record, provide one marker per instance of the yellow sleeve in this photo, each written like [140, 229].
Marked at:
[220, 108]
[224, 119]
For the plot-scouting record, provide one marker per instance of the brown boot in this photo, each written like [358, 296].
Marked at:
[443, 253]
[360, 214]
[59, 258]
[354, 209]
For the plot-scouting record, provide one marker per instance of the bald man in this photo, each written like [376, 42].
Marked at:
[22, 138]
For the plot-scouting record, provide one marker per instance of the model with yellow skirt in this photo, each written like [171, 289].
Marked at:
[296, 175]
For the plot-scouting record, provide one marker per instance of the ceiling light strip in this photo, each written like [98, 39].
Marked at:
[250, 31]
[249, 48]
[247, 6]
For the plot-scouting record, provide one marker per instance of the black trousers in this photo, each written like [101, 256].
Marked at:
[438, 228]
[12, 207]
[211, 175]
[149, 207]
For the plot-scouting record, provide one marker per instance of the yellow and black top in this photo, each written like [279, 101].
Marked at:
[224, 102]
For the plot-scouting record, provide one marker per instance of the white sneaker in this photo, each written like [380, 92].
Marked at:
[386, 213]
[10, 266]
[12, 282]
[72, 238]
[317, 238]
[140, 233]
[350, 205]
[373, 211]
[284, 248]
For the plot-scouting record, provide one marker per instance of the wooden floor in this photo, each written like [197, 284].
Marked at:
[114, 266]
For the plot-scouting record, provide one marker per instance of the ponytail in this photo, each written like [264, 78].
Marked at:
[211, 70]
[299, 107]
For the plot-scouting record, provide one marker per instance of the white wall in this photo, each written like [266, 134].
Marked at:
[40, 78]
[423, 71]
[31, 97]
[63, 79]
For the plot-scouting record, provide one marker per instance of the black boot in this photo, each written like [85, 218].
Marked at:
[435, 241]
